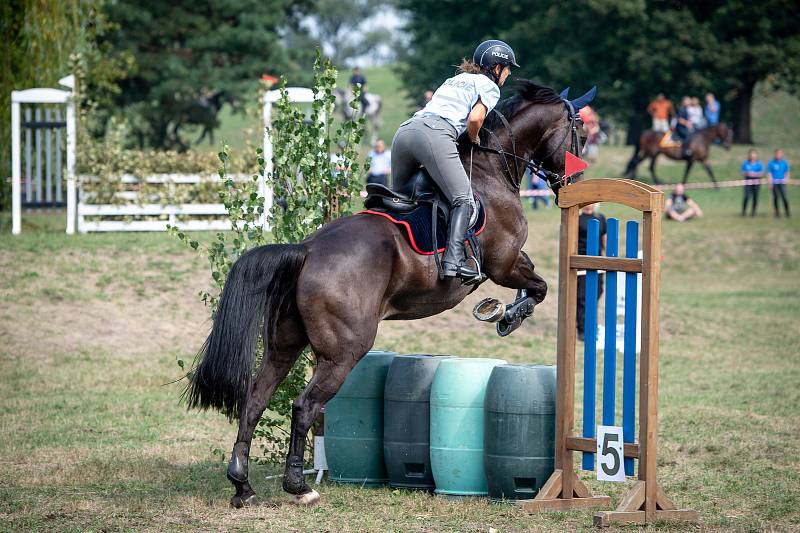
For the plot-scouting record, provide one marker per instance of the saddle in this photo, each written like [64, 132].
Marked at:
[421, 208]
[669, 140]
[419, 190]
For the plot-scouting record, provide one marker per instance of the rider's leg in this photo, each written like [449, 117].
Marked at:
[434, 145]
[404, 161]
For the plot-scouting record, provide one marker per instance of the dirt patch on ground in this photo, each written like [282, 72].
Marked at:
[121, 305]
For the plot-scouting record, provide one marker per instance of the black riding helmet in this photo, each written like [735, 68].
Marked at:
[493, 52]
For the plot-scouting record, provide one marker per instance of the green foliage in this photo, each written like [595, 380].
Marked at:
[192, 57]
[316, 170]
[315, 174]
[630, 49]
[38, 37]
[339, 26]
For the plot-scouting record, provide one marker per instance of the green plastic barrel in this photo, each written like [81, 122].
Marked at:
[406, 421]
[457, 419]
[520, 430]
[354, 423]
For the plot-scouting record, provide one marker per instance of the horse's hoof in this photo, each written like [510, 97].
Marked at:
[308, 499]
[489, 310]
[237, 502]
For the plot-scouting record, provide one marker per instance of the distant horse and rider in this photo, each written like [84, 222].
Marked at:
[371, 111]
[695, 148]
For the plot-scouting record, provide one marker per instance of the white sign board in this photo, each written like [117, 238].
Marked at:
[610, 465]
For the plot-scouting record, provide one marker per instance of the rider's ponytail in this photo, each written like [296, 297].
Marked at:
[468, 67]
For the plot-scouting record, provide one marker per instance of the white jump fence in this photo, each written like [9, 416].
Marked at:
[93, 217]
[128, 212]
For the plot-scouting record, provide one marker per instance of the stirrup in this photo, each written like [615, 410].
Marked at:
[467, 278]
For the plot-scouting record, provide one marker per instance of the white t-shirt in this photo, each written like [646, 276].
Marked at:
[380, 163]
[456, 97]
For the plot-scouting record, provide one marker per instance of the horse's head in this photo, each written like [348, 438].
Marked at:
[544, 126]
[563, 132]
[725, 135]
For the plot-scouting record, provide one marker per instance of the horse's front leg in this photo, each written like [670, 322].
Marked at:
[531, 290]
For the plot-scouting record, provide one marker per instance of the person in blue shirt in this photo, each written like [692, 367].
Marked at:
[778, 170]
[711, 110]
[752, 169]
[357, 80]
[537, 184]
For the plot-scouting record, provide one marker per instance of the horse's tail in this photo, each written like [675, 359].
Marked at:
[260, 285]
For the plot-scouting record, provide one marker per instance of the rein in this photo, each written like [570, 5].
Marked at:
[553, 179]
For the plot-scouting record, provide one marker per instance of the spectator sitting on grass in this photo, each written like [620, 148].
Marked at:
[680, 207]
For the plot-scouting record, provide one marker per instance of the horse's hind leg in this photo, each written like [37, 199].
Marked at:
[341, 346]
[689, 164]
[290, 341]
[710, 174]
[653, 169]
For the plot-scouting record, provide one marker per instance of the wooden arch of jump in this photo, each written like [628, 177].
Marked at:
[646, 502]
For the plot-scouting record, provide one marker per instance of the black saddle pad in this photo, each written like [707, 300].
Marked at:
[417, 225]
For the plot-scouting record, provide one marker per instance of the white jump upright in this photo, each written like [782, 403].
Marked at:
[42, 96]
[297, 95]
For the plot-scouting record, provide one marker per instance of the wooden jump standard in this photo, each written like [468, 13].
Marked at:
[646, 501]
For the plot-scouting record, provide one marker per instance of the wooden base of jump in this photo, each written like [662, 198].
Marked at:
[631, 509]
[646, 502]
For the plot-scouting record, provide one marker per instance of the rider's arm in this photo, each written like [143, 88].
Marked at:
[475, 121]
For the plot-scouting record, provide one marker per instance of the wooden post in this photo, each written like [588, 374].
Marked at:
[646, 501]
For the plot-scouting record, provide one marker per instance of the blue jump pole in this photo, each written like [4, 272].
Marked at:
[610, 347]
[629, 354]
[590, 342]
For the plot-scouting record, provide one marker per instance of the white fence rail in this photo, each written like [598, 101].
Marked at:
[152, 216]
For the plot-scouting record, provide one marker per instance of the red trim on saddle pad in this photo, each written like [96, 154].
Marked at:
[411, 234]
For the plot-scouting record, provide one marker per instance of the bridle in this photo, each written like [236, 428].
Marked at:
[553, 179]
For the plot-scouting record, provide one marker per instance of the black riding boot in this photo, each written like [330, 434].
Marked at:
[454, 260]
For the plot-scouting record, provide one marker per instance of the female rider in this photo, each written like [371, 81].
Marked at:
[429, 139]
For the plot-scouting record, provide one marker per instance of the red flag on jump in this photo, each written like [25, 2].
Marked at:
[573, 165]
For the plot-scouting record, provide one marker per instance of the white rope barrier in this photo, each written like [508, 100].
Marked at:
[664, 187]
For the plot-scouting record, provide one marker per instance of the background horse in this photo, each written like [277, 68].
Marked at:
[372, 112]
[331, 291]
[700, 144]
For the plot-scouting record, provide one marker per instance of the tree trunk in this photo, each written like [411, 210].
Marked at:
[636, 125]
[742, 104]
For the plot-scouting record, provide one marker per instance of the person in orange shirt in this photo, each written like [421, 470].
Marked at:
[591, 123]
[661, 110]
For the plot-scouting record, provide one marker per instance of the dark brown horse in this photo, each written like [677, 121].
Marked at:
[331, 291]
[699, 144]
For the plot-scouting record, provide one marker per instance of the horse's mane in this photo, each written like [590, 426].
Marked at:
[526, 91]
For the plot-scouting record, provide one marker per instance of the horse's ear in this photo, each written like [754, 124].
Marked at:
[586, 99]
[564, 94]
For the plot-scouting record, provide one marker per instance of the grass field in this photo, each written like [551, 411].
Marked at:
[93, 437]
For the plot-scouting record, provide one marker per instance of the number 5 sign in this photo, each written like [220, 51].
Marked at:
[609, 454]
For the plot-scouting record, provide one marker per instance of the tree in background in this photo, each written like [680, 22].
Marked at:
[440, 39]
[193, 56]
[758, 41]
[346, 29]
[632, 50]
[38, 37]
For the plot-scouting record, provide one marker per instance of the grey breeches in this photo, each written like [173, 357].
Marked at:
[431, 142]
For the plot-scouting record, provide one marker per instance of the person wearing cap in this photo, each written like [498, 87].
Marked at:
[429, 139]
